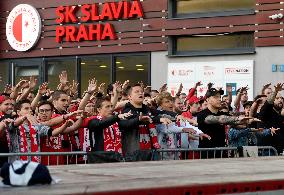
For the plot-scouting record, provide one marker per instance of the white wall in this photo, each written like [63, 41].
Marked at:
[264, 58]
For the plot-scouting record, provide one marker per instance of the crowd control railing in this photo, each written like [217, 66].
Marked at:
[81, 157]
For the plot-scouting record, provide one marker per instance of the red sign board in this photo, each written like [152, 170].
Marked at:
[92, 13]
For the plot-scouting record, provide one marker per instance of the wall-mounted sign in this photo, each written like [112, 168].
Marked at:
[91, 13]
[23, 27]
[222, 73]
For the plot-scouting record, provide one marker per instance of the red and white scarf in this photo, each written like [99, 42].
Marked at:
[148, 137]
[24, 142]
[84, 139]
[112, 138]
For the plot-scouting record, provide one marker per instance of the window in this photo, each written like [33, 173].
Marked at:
[4, 73]
[98, 67]
[105, 68]
[210, 8]
[55, 66]
[24, 69]
[133, 68]
[236, 43]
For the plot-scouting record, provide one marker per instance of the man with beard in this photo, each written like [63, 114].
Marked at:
[6, 109]
[178, 105]
[212, 121]
[270, 114]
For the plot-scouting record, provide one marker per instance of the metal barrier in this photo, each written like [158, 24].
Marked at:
[209, 153]
[68, 157]
[80, 157]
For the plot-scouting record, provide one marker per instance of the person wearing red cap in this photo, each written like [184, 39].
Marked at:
[192, 94]
[193, 109]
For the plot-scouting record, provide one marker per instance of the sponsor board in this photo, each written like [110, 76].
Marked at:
[221, 73]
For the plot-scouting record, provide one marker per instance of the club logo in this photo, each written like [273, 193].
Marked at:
[23, 27]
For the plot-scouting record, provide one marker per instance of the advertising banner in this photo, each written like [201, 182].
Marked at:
[222, 73]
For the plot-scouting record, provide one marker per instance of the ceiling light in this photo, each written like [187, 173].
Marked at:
[117, 62]
[140, 69]
[139, 65]
[120, 67]
[83, 63]
[103, 66]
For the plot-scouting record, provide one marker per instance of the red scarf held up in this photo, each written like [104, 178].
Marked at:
[24, 142]
[112, 138]
[148, 137]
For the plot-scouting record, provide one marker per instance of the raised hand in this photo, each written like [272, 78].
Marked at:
[210, 85]
[141, 84]
[163, 88]
[22, 84]
[101, 88]
[189, 130]
[145, 118]
[43, 88]
[117, 87]
[125, 115]
[198, 84]
[68, 123]
[7, 121]
[8, 89]
[32, 119]
[180, 89]
[266, 86]
[203, 135]
[243, 89]
[63, 78]
[32, 82]
[125, 85]
[74, 88]
[245, 120]
[165, 121]
[92, 86]
[83, 115]
[147, 89]
[273, 130]
[279, 87]
[75, 113]
[254, 120]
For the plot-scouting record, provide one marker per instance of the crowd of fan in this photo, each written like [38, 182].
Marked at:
[123, 121]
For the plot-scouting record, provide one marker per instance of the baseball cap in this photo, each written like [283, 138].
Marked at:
[193, 100]
[213, 91]
[247, 103]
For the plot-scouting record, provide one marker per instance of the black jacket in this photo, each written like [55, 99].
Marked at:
[271, 118]
[130, 127]
[96, 128]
